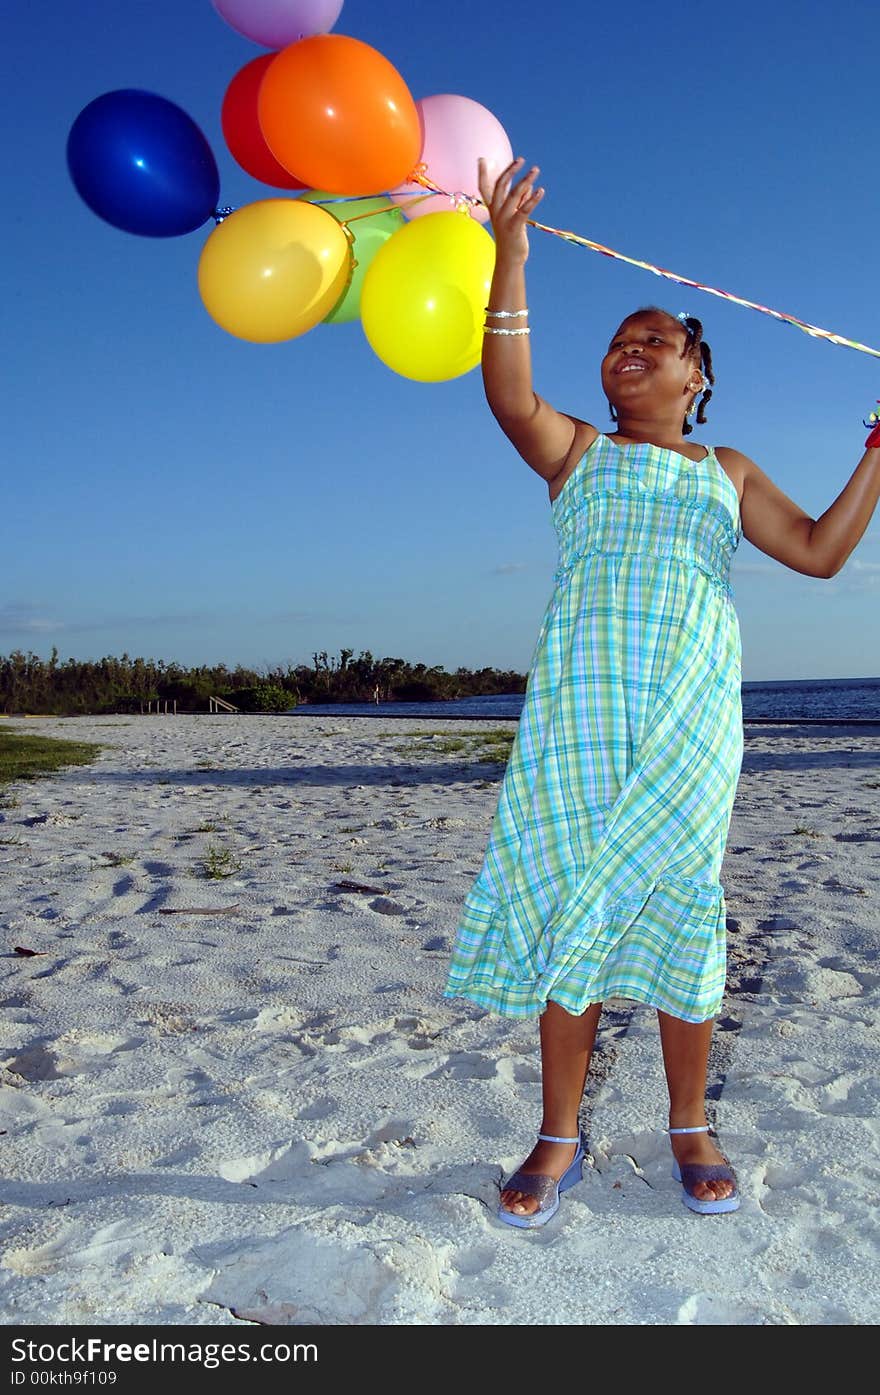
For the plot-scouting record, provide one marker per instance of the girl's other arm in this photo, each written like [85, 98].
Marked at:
[816, 547]
[543, 436]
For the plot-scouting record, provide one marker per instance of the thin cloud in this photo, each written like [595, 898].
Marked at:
[285, 616]
[27, 618]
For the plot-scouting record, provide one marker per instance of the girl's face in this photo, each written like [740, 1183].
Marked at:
[646, 368]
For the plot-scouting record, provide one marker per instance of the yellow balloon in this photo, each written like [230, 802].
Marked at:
[274, 269]
[424, 296]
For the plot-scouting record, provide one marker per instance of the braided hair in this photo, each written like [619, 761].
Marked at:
[694, 345]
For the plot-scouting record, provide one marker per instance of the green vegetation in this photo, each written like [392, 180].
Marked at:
[29, 684]
[22, 757]
[492, 746]
[497, 745]
[219, 863]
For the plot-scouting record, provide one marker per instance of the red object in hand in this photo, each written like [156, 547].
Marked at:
[873, 440]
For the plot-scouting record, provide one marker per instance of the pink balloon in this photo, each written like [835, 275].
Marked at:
[457, 131]
[277, 23]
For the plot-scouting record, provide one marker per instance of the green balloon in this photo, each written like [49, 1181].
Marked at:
[369, 233]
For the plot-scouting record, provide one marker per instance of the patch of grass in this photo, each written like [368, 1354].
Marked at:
[497, 749]
[491, 746]
[115, 859]
[219, 863]
[207, 828]
[26, 757]
[449, 744]
[807, 832]
[418, 743]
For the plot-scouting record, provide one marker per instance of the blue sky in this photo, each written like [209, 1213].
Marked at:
[177, 493]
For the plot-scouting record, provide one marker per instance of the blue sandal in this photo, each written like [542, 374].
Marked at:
[544, 1187]
[691, 1174]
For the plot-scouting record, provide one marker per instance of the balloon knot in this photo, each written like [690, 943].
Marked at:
[419, 175]
[462, 202]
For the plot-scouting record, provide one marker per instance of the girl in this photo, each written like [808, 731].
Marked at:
[601, 873]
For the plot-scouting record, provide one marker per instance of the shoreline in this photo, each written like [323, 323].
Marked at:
[306, 711]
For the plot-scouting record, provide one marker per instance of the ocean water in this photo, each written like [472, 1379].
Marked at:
[797, 699]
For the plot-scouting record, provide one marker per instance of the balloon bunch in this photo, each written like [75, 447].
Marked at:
[363, 230]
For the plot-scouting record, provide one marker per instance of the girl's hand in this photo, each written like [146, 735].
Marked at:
[509, 206]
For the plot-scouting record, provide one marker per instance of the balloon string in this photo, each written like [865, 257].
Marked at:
[419, 176]
[813, 330]
[374, 212]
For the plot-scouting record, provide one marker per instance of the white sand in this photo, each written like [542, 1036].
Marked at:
[269, 1113]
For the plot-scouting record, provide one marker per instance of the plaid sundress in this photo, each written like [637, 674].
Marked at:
[601, 874]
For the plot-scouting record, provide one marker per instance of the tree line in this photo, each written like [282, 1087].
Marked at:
[51, 687]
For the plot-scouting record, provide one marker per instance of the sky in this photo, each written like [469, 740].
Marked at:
[174, 492]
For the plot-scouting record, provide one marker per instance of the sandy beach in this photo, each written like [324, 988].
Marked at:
[242, 1098]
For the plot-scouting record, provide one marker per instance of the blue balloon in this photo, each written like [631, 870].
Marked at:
[142, 164]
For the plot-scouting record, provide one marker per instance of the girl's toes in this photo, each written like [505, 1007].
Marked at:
[520, 1205]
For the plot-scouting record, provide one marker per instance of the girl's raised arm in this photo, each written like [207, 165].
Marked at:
[543, 436]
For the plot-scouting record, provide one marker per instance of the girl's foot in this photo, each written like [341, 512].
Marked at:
[550, 1159]
[699, 1148]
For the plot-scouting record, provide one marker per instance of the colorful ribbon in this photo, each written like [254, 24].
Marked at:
[813, 330]
[419, 176]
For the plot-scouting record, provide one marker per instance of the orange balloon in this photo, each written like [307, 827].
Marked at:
[335, 113]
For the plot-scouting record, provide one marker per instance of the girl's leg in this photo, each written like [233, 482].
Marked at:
[686, 1058]
[566, 1048]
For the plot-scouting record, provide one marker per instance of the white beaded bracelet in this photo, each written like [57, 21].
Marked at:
[507, 314]
[487, 329]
